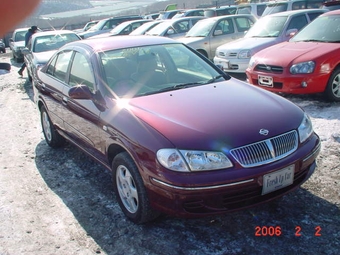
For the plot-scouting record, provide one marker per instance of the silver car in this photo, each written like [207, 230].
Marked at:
[206, 35]
[17, 43]
[42, 46]
[272, 29]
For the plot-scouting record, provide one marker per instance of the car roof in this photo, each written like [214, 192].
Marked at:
[53, 32]
[230, 16]
[183, 18]
[329, 13]
[22, 29]
[293, 12]
[123, 41]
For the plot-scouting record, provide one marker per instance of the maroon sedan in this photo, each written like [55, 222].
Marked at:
[180, 136]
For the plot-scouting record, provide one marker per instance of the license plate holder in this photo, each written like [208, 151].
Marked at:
[225, 64]
[266, 81]
[278, 179]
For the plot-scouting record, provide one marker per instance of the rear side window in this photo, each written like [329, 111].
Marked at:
[314, 15]
[59, 70]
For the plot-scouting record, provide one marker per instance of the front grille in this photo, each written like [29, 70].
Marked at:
[233, 54]
[269, 68]
[266, 151]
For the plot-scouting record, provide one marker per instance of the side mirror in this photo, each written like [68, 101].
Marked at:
[170, 31]
[291, 32]
[218, 32]
[80, 92]
[25, 51]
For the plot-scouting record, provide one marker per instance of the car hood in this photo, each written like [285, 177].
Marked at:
[43, 57]
[102, 35]
[189, 40]
[254, 44]
[290, 52]
[217, 116]
[19, 44]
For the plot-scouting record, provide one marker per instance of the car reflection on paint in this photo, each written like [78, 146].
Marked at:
[180, 136]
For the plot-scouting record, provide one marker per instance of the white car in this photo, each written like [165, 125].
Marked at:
[43, 45]
[207, 34]
[17, 43]
[272, 29]
[174, 28]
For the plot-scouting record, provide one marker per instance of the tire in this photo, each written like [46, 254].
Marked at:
[332, 91]
[5, 66]
[52, 137]
[130, 190]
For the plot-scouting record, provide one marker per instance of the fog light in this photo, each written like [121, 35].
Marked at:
[304, 84]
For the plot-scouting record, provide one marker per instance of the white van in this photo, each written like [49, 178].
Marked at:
[290, 5]
[255, 9]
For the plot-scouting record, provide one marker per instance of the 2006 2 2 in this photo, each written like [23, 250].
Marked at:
[277, 231]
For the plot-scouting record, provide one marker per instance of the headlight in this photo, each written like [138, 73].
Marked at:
[244, 54]
[305, 129]
[304, 67]
[186, 160]
[251, 62]
[18, 48]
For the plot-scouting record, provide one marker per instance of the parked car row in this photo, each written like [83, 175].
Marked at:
[307, 63]
[269, 30]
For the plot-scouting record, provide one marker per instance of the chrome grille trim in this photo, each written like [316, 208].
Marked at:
[266, 151]
[269, 68]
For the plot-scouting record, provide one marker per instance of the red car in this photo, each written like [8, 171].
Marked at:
[179, 135]
[308, 63]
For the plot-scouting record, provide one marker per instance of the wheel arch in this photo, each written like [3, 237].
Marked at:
[113, 150]
[203, 52]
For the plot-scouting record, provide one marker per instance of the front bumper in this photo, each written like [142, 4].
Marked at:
[199, 201]
[233, 65]
[291, 84]
[18, 54]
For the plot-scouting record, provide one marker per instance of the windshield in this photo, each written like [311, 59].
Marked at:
[118, 29]
[20, 36]
[275, 8]
[98, 26]
[53, 42]
[244, 10]
[201, 28]
[322, 29]
[147, 70]
[159, 29]
[267, 27]
[144, 28]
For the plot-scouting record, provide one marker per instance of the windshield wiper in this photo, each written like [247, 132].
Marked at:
[182, 86]
[311, 40]
[263, 36]
[212, 80]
